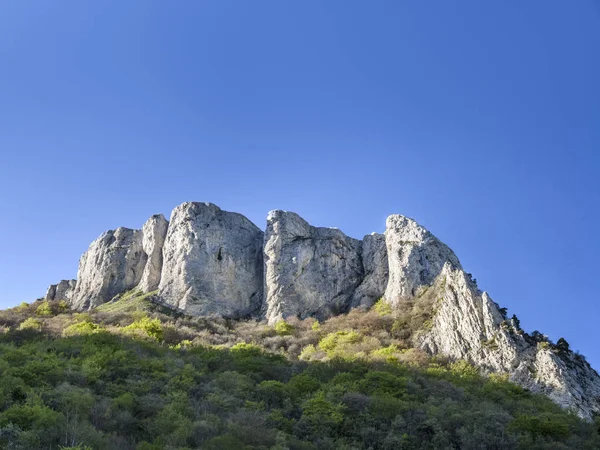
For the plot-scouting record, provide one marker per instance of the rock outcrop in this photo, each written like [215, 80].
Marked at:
[468, 325]
[61, 291]
[309, 271]
[154, 233]
[212, 262]
[376, 272]
[208, 261]
[415, 257]
[113, 264]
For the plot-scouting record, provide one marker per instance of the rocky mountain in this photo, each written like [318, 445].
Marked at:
[206, 261]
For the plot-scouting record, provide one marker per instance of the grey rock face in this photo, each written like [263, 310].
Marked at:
[468, 325]
[61, 291]
[415, 257]
[309, 271]
[375, 264]
[113, 264]
[154, 233]
[212, 262]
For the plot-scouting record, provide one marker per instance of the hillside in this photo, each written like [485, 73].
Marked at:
[132, 374]
[205, 261]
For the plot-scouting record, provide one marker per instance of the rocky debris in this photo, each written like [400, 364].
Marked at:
[309, 271]
[154, 233]
[61, 291]
[113, 264]
[212, 262]
[375, 265]
[415, 257]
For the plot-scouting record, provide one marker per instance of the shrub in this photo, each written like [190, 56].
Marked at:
[283, 328]
[319, 410]
[332, 340]
[44, 309]
[562, 345]
[543, 345]
[549, 425]
[301, 385]
[31, 324]
[246, 349]
[308, 352]
[388, 353]
[516, 322]
[382, 307]
[272, 393]
[147, 327]
[382, 383]
[464, 369]
[82, 328]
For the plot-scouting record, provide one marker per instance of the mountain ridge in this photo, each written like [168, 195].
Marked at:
[214, 262]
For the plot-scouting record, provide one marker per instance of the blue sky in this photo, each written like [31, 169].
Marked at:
[479, 119]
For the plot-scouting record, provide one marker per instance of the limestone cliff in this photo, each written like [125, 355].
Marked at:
[309, 271]
[209, 261]
[61, 291]
[212, 262]
[113, 264]
[468, 325]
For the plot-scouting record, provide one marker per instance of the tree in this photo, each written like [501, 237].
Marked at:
[562, 345]
[516, 322]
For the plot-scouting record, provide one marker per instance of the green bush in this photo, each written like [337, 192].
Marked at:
[44, 309]
[330, 342]
[82, 328]
[321, 410]
[146, 326]
[31, 324]
[382, 307]
[283, 328]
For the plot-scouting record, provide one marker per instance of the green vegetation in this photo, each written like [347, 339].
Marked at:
[283, 328]
[382, 307]
[44, 309]
[82, 326]
[129, 302]
[30, 324]
[130, 376]
[146, 327]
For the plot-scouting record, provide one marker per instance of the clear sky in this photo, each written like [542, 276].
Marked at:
[480, 119]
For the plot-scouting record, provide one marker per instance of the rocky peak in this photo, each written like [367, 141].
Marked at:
[309, 271]
[113, 264]
[61, 291]
[212, 262]
[415, 257]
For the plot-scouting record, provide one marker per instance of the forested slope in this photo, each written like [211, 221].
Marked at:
[131, 375]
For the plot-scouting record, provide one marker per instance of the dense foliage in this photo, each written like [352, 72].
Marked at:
[131, 376]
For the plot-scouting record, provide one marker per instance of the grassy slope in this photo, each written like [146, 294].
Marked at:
[131, 375]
